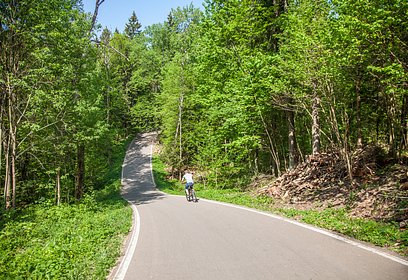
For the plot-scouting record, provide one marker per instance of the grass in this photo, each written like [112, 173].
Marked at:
[64, 242]
[70, 241]
[334, 219]
[162, 182]
[337, 219]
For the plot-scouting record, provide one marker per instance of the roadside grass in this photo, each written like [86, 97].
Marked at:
[382, 234]
[70, 241]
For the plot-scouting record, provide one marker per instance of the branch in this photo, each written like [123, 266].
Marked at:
[42, 165]
[31, 132]
[95, 15]
[399, 61]
[109, 46]
[22, 114]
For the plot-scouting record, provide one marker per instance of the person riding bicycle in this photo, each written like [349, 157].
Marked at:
[188, 177]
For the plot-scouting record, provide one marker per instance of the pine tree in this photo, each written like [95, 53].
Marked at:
[132, 28]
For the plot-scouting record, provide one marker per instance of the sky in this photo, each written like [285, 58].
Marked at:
[116, 13]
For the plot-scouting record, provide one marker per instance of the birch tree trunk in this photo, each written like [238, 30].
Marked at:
[358, 113]
[10, 182]
[290, 115]
[7, 192]
[13, 165]
[315, 121]
[98, 3]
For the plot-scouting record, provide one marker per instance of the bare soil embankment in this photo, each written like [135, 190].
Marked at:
[378, 189]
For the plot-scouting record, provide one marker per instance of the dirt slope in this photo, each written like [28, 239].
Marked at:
[378, 189]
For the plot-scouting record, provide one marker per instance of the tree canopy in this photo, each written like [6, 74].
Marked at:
[239, 89]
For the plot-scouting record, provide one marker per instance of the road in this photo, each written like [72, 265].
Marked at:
[173, 239]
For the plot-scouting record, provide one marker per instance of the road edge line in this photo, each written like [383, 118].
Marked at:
[131, 247]
[315, 229]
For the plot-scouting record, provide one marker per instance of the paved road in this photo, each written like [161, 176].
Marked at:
[205, 240]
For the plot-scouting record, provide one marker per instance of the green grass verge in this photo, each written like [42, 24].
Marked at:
[77, 241]
[65, 242]
[334, 219]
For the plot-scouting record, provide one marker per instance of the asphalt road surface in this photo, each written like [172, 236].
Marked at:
[175, 239]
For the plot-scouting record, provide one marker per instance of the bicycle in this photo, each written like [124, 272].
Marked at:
[190, 194]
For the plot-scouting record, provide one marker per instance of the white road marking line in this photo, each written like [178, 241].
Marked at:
[321, 231]
[124, 265]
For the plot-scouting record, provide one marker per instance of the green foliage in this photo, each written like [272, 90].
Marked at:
[67, 241]
[61, 100]
[132, 28]
[162, 180]
[227, 89]
[77, 241]
[259, 73]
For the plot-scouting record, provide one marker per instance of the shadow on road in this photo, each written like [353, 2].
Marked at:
[137, 181]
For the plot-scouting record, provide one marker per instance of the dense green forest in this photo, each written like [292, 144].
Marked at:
[263, 84]
[236, 89]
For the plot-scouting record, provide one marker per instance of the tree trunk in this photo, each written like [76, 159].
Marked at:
[7, 189]
[345, 149]
[179, 134]
[180, 126]
[358, 113]
[292, 139]
[404, 125]
[80, 176]
[271, 146]
[1, 136]
[58, 186]
[95, 14]
[316, 121]
[13, 167]
[256, 162]
[392, 123]
[11, 154]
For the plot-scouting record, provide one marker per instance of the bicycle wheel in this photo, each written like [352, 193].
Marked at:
[193, 195]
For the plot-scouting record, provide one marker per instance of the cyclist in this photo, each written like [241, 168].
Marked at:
[188, 177]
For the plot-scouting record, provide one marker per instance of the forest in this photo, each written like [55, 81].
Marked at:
[237, 89]
[240, 89]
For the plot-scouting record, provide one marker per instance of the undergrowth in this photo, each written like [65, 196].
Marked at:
[69, 241]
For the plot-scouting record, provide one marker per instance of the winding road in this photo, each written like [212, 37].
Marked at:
[174, 239]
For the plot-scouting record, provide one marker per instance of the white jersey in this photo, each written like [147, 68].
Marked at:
[188, 177]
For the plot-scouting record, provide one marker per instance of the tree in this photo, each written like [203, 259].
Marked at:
[132, 28]
[178, 83]
[305, 58]
[52, 109]
[375, 60]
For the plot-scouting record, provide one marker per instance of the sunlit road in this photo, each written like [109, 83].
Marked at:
[174, 239]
